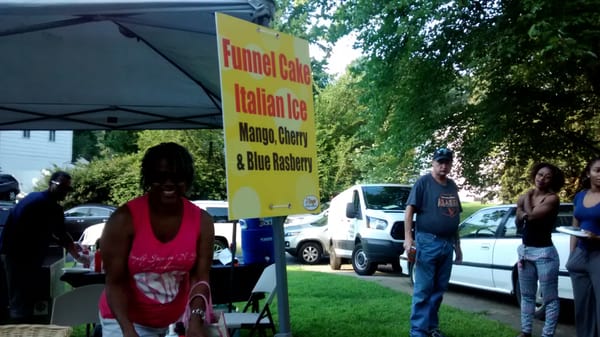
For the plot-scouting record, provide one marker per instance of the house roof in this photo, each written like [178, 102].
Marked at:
[114, 64]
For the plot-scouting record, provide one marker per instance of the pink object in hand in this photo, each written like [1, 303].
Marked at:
[86, 252]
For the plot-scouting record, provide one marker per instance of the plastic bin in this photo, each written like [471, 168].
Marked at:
[257, 241]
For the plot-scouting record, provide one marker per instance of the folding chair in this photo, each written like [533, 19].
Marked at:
[78, 306]
[260, 320]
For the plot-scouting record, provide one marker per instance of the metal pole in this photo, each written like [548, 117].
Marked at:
[283, 306]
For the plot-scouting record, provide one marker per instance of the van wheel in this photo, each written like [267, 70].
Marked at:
[335, 262]
[360, 263]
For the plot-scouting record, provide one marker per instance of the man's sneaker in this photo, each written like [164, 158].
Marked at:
[436, 333]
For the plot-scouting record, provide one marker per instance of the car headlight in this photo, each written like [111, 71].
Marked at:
[293, 233]
[376, 223]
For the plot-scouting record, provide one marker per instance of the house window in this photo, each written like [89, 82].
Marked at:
[52, 136]
[26, 133]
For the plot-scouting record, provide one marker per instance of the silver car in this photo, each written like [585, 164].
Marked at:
[307, 238]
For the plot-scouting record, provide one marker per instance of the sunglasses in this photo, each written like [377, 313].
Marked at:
[164, 176]
[58, 184]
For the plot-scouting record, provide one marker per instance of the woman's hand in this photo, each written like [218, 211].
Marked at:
[591, 235]
[130, 332]
[196, 329]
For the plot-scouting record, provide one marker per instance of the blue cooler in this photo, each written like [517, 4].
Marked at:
[257, 241]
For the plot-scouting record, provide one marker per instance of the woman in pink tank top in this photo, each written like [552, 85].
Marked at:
[153, 248]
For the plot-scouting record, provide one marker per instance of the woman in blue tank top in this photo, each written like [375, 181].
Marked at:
[584, 260]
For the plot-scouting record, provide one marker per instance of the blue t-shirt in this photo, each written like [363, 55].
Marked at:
[30, 226]
[589, 219]
[438, 206]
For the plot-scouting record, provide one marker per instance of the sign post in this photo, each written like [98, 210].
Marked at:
[269, 126]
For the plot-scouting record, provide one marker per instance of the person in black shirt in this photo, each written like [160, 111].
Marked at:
[538, 258]
[30, 227]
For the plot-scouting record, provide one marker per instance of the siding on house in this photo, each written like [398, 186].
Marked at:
[26, 158]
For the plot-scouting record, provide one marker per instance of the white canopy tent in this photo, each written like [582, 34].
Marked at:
[114, 64]
[120, 65]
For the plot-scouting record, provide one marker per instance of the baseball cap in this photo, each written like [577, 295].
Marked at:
[443, 154]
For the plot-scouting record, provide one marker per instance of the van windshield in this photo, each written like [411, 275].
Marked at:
[387, 198]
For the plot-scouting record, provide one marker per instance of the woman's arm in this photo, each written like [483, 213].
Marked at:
[520, 210]
[116, 243]
[549, 206]
[201, 272]
[573, 237]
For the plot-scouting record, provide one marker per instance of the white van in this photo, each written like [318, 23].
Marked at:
[366, 226]
[223, 227]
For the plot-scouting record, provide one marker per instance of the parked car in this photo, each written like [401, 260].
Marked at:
[9, 187]
[224, 228]
[489, 239]
[78, 218]
[307, 238]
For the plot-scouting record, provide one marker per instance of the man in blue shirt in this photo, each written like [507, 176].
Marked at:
[30, 227]
[434, 199]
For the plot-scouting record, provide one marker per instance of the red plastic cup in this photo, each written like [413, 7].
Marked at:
[412, 254]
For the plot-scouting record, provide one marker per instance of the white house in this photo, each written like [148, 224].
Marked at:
[27, 153]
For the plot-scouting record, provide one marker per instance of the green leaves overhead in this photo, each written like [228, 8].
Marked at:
[502, 82]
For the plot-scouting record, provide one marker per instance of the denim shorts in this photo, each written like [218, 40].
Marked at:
[111, 328]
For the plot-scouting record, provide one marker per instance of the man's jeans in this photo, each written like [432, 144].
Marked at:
[432, 274]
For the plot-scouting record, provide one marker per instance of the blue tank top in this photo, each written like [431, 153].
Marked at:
[589, 219]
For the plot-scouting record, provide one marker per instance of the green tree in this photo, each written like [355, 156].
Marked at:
[85, 145]
[119, 142]
[502, 82]
[337, 130]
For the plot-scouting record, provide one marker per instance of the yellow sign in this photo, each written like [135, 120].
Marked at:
[268, 119]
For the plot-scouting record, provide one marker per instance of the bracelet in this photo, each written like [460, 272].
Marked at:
[199, 312]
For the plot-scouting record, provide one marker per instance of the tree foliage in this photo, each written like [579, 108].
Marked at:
[505, 83]
[114, 178]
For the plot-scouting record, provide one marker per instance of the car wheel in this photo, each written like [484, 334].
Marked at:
[310, 253]
[396, 267]
[361, 263]
[540, 308]
[411, 273]
[219, 245]
[335, 262]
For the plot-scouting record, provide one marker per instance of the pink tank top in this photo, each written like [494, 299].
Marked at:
[158, 272]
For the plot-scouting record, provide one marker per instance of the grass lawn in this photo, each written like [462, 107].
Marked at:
[323, 304]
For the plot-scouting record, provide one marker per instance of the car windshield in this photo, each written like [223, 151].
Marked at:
[388, 198]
